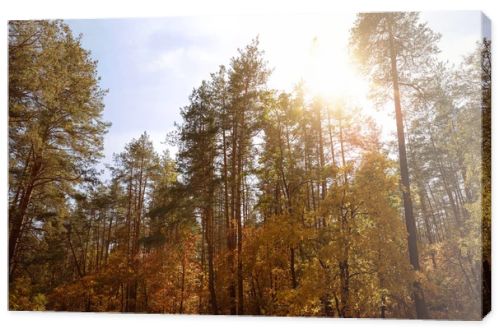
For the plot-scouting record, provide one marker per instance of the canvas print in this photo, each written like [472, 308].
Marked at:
[323, 165]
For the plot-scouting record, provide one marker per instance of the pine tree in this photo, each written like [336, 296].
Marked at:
[55, 119]
[391, 47]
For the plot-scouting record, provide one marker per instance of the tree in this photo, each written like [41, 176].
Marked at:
[136, 167]
[391, 47]
[247, 78]
[55, 119]
[197, 159]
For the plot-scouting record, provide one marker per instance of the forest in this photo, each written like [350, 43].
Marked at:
[276, 202]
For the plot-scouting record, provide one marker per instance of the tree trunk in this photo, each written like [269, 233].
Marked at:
[210, 250]
[183, 282]
[292, 267]
[231, 242]
[345, 236]
[344, 285]
[418, 297]
[18, 218]
[239, 226]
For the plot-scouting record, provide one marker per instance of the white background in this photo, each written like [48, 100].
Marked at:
[51, 322]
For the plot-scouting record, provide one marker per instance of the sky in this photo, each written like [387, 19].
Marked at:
[151, 65]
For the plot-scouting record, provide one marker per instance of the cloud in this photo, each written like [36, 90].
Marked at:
[181, 59]
[171, 60]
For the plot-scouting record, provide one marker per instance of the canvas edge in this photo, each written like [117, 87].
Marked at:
[486, 173]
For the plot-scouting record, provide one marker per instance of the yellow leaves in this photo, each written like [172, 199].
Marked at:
[330, 253]
[298, 302]
[21, 296]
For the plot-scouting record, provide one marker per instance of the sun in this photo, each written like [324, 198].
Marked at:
[329, 73]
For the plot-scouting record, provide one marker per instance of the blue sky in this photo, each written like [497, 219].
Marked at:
[151, 65]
